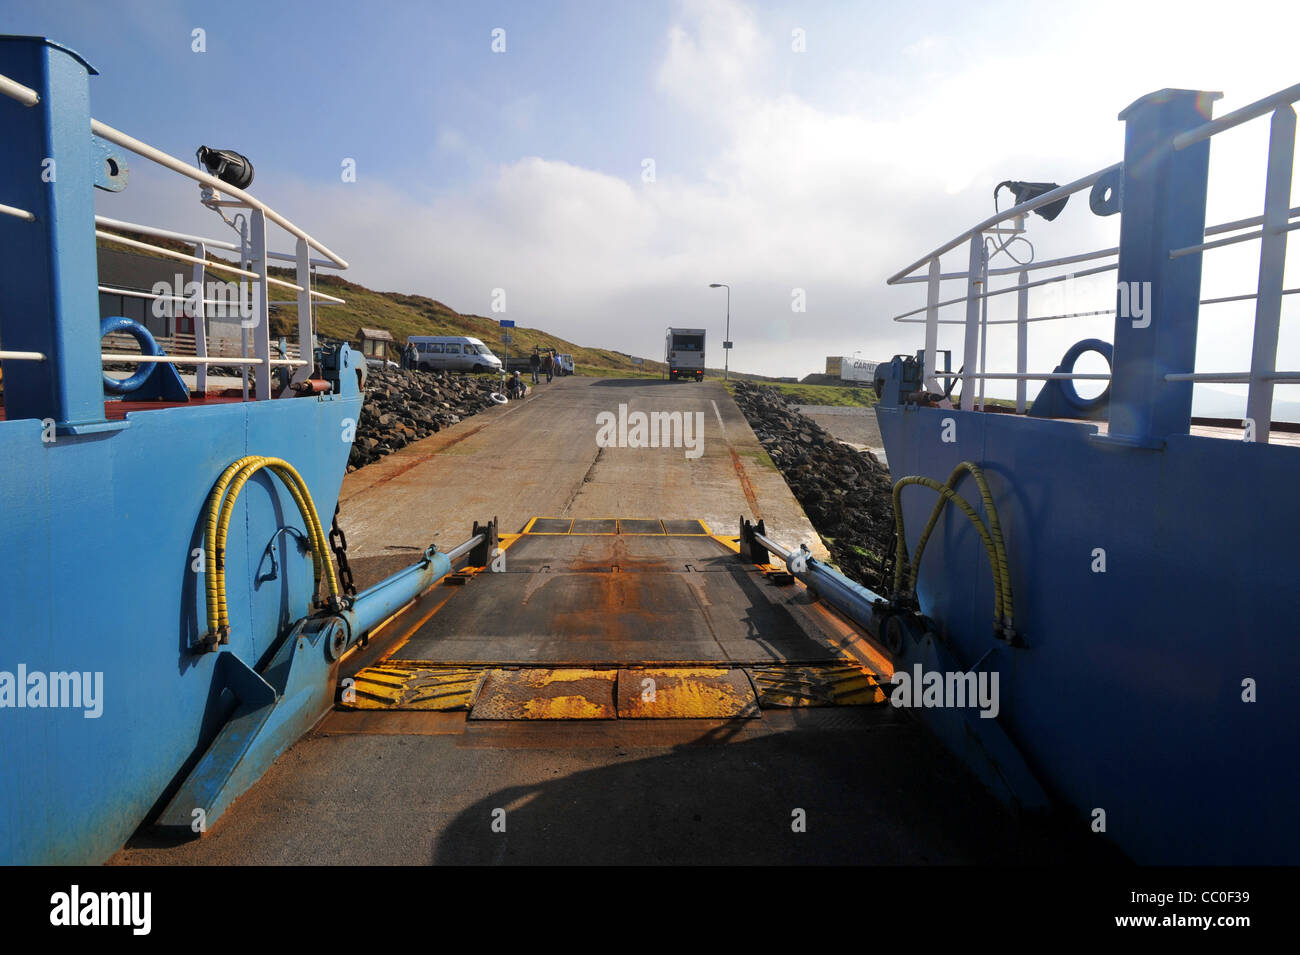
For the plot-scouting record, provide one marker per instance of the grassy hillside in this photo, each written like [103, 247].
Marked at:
[402, 315]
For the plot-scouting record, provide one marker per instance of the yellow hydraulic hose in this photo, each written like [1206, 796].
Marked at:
[298, 490]
[945, 494]
[1003, 568]
[991, 537]
[220, 508]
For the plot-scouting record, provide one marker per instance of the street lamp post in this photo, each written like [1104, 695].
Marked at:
[726, 343]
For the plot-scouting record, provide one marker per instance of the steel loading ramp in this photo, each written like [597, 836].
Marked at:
[617, 618]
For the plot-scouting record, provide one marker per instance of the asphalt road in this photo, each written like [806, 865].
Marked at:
[540, 458]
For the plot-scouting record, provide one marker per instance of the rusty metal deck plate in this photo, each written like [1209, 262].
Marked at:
[396, 685]
[633, 692]
[612, 600]
[845, 684]
[546, 694]
[666, 693]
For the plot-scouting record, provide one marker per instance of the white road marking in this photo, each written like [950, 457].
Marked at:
[719, 414]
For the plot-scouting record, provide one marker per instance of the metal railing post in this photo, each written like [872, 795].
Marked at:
[199, 318]
[305, 323]
[984, 323]
[1022, 340]
[261, 307]
[932, 326]
[974, 288]
[1272, 261]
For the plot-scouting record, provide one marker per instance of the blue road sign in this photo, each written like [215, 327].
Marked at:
[507, 323]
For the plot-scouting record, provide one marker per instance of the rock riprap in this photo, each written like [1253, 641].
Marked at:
[847, 494]
[405, 406]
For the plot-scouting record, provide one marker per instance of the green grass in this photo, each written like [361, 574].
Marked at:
[842, 397]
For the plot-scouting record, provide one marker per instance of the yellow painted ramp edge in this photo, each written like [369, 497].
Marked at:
[396, 685]
[491, 692]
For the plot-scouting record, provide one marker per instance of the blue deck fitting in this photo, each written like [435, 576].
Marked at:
[1164, 209]
[103, 520]
[46, 162]
[1152, 684]
[981, 743]
[156, 379]
[279, 701]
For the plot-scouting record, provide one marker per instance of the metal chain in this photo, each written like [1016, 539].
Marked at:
[339, 544]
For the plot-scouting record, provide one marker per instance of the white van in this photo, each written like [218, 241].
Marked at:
[453, 353]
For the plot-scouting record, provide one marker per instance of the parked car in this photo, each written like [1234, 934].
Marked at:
[566, 364]
[453, 353]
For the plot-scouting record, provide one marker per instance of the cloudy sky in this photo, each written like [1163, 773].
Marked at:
[614, 159]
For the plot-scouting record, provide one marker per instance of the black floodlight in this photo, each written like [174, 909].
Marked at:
[1024, 191]
[227, 165]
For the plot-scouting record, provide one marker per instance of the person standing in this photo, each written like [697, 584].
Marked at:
[535, 363]
[548, 366]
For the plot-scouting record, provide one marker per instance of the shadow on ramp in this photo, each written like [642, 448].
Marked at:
[872, 788]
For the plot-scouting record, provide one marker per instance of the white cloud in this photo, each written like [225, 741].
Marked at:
[829, 191]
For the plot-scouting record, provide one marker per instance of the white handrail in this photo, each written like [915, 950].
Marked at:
[104, 131]
[182, 257]
[196, 360]
[1013, 269]
[186, 237]
[158, 233]
[1010, 321]
[17, 213]
[1235, 377]
[22, 355]
[1244, 297]
[132, 293]
[1023, 208]
[1023, 376]
[1271, 227]
[1010, 288]
[1237, 117]
[29, 97]
[15, 90]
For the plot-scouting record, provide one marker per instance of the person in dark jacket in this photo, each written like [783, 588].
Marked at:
[535, 363]
[548, 366]
[515, 387]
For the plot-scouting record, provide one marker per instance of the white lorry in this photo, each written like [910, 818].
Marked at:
[684, 353]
